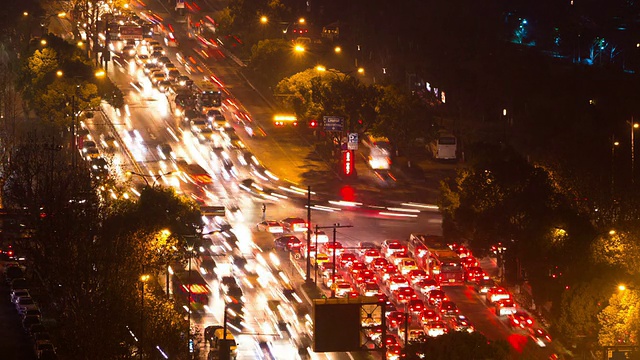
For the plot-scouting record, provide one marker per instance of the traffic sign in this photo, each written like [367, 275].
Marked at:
[333, 123]
[352, 142]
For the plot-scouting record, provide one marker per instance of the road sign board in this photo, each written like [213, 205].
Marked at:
[352, 142]
[333, 123]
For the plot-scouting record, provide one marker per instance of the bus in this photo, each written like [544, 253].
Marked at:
[186, 281]
[194, 173]
[180, 100]
[444, 147]
[436, 258]
[209, 97]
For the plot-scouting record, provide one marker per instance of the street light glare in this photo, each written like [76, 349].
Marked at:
[100, 73]
[621, 287]
[616, 143]
[299, 48]
[636, 125]
[361, 71]
[43, 42]
[59, 73]
[337, 49]
[321, 68]
[301, 20]
[263, 19]
[144, 278]
[62, 14]
[25, 13]
[612, 232]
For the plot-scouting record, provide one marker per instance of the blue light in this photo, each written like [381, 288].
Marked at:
[524, 22]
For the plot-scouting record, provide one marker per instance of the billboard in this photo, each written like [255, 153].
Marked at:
[347, 324]
[130, 32]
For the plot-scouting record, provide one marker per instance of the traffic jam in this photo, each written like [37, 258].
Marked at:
[411, 278]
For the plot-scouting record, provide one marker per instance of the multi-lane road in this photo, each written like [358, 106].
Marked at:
[147, 122]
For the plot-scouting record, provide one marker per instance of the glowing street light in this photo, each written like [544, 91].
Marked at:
[25, 14]
[321, 68]
[264, 20]
[301, 21]
[622, 287]
[59, 73]
[299, 49]
[143, 279]
[612, 232]
[337, 49]
[100, 73]
[361, 71]
[62, 14]
[43, 42]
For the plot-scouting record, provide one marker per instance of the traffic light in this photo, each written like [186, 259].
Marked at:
[313, 124]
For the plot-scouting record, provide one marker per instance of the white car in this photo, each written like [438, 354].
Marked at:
[271, 226]
[321, 235]
[436, 328]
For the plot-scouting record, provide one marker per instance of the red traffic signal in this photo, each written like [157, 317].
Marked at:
[313, 124]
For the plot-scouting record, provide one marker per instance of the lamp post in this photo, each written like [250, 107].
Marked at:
[190, 249]
[633, 126]
[614, 144]
[143, 280]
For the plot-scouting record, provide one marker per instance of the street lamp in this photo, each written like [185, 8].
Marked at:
[143, 280]
[190, 249]
[299, 49]
[337, 49]
[264, 20]
[361, 70]
[614, 145]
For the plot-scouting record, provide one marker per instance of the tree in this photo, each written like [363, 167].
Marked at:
[401, 118]
[270, 59]
[617, 248]
[580, 307]
[458, 345]
[620, 320]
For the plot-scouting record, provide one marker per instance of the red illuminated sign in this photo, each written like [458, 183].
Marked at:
[347, 162]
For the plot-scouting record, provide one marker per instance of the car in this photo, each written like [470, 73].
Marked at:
[406, 265]
[505, 307]
[270, 226]
[483, 285]
[469, 261]
[128, 51]
[108, 141]
[346, 259]
[182, 80]
[369, 289]
[397, 319]
[163, 85]
[390, 340]
[521, 319]
[461, 323]
[328, 280]
[540, 337]
[404, 294]
[365, 245]
[396, 281]
[378, 263]
[369, 255]
[157, 77]
[88, 144]
[357, 267]
[91, 153]
[162, 60]
[342, 289]
[329, 247]
[448, 308]
[294, 224]
[474, 274]
[142, 59]
[149, 67]
[427, 285]
[154, 56]
[364, 276]
[16, 294]
[436, 328]
[42, 346]
[429, 315]
[497, 293]
[392, 246]
[388, 271]
[417, 275]
[99, 166]
[320, 236]
[198, 124]
[394, 352]
[287, 242]
[227, 282]
[434, 297]
[24, 301]
[165, 152]
[29, 321]
[416, 306]
[172, 75]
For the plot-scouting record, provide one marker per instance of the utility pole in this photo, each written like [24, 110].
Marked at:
[309, 234]
[189, 345]
[335, 228]
[74, 141]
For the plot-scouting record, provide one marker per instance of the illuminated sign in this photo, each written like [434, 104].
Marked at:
[347, 162]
